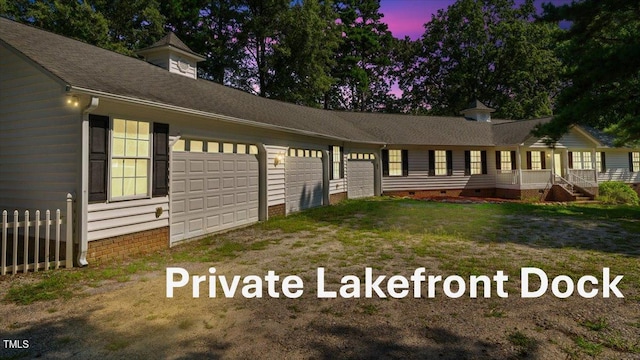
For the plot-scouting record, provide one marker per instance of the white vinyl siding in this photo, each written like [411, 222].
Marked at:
[617, 162]
[276, 175]
[419, 179]
[40, 141]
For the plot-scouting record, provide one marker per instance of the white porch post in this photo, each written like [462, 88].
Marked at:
[593, 165]
[553, 165]
[519, 165]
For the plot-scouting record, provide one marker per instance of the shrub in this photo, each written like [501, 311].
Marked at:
[615, 192]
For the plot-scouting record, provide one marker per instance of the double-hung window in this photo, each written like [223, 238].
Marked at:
[580, 160]
[634, 161]
[505, 160]
[336, 162]
[130, 159]
[440, 162]
[395, 162]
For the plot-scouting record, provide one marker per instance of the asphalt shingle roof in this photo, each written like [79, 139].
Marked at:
[89, 67]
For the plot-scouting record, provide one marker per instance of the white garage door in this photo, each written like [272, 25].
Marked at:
[360, 178]
[212, 191]
[303, 179]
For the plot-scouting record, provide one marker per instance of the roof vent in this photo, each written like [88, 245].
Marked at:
[478, 111]
[172, 54]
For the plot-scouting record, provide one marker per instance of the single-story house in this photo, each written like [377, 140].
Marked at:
[154, 156]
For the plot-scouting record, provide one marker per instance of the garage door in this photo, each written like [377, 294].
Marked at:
[214, 187]
[360, 175]
[303, 179]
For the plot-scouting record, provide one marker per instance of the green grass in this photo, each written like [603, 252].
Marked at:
[462, 239]
[595, 325]
[588, 347]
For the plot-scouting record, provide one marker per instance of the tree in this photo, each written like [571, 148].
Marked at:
[123, 26]
[303, 58]
[210, 28]
[362, 59]
[601, 51]
[133, 24]
[488, 50]
[71, 18]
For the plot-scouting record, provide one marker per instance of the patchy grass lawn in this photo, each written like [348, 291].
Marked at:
[124, 308]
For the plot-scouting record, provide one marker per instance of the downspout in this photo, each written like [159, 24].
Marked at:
[83, 244]
[325, 178]
[262, 183]
[377, 168]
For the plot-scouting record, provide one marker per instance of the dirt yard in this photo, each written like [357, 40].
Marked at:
[131, 317]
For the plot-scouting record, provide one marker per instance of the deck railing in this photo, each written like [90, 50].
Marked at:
[34, 243]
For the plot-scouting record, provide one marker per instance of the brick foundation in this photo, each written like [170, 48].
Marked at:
[449, 192]
[123, 246]
[336, 198]
[277, 210]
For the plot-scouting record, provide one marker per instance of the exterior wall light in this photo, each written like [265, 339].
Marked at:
[73, 101]
[278, 159]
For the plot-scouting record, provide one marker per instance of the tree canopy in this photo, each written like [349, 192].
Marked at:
[340, 54]
[601, 53]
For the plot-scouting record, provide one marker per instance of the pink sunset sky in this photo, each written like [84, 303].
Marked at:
[407, 17]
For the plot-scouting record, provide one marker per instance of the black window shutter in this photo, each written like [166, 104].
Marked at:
[432, 163]
[449, 162]
[467, 162]
[603, 162]
[483, 159]
[405, 162]
[385, 162]
[160, 184]
[498, 161]
[331, 162]
[631, 161]
[98, 157]
[341, 162]
[514, 163]
[543, 159]
[529, 164]
[570, 156]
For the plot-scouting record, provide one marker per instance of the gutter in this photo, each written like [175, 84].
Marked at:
[226, 118]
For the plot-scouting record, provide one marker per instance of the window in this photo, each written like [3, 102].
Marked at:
[634, 161]
[241, 149]
[196, 146]
[213, 147]
[395, 162]
[580, 160]
[179, 145]
[336, 162]
[253, 150]
[227, 148]
[475, 162]
[130, 159]
[536, 160]
[505, 160]
[601, 162]
[441, 162]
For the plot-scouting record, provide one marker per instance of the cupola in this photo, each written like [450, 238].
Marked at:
[478, 111]
[172, 54]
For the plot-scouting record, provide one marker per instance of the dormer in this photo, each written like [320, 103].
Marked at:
[172, 54]
[478, 111]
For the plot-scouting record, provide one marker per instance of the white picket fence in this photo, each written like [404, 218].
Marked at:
[45, 245]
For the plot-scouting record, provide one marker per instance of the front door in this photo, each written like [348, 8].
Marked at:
[557, 164]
